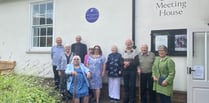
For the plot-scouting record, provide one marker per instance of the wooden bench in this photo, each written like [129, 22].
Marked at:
[7, 67]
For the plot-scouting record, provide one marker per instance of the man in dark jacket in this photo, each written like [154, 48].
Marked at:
[79, 48]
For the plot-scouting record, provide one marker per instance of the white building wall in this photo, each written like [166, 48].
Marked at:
[112, 27]
[194, 15]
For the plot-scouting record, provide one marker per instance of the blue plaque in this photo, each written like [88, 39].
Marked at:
[92, 14]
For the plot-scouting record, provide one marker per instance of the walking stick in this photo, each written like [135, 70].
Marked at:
[74, 93]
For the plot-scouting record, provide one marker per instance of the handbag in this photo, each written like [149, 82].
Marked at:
[161, 79]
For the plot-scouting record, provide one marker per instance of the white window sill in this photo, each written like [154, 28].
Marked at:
[39, 51]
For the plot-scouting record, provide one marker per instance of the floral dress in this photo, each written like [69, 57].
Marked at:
[81, 85]
[95, 67]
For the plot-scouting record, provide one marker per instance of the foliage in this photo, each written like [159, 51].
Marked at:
[26, 89]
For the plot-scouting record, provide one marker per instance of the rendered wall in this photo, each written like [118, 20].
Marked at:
[112, 27]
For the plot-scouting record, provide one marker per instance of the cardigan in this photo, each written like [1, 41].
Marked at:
[167, 70]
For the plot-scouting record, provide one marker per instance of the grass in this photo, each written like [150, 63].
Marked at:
[26, 89]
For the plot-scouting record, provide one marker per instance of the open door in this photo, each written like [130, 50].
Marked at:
[198, 66]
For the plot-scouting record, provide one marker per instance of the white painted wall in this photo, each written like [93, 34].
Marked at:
[112, 27]
[14, 42]
[195, 15]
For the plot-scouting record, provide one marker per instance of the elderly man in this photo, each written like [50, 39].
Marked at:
[145, 73]
[55, 54]
[79, 48]
[131, 61]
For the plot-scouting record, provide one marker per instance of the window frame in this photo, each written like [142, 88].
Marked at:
[31, 47]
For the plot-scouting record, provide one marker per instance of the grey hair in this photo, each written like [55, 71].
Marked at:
[76, 56]
[129, 40]
[114, 46]
[67, 44]
[144, 45]
[163, 47]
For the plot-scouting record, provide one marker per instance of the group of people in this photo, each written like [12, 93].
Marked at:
[80, 74]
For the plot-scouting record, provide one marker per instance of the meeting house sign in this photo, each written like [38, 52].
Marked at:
[170, 7]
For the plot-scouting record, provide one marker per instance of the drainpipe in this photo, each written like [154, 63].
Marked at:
[133, 23]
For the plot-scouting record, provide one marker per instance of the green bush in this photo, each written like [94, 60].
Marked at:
[26, 89]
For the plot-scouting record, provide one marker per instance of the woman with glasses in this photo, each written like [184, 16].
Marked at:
[96, 64]
[163, 73]
[77, 83]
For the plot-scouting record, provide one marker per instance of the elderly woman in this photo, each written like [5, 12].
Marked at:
[114, 67]
[163, 73]
[64, 59]
[77, 83]
[96, 64]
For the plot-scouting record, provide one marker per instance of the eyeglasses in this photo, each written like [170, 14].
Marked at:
[75, 59]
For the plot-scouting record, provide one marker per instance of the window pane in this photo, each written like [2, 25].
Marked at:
[35, 10]
[49, 31]
[36, 20]
[50, 8]
[42, 41]
[42, 9]
[49, 18]
[49, 41]
[43, 31]
[36, 41]
[199, 51]
[42, 20]
[36, 31]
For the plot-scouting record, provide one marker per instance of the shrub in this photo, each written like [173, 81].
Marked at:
[26, 89]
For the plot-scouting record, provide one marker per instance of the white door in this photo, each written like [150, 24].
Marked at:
[198, 66]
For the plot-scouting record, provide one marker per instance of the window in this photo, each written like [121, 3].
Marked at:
[42, 24]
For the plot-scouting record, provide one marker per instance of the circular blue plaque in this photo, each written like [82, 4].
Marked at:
[92, 14]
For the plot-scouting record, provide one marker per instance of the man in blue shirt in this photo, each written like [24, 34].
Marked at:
[56, 51]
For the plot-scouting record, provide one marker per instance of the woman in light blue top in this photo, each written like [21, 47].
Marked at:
[77, 83]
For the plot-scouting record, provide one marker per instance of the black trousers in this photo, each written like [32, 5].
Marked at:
[129, 78]
[165, 99]
[62, 83]
[56, 77]
[63, 86]
[146, 83]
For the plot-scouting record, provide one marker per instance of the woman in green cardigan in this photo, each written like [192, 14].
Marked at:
[163, 73]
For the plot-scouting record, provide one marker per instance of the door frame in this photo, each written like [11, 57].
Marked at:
[191, 83]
